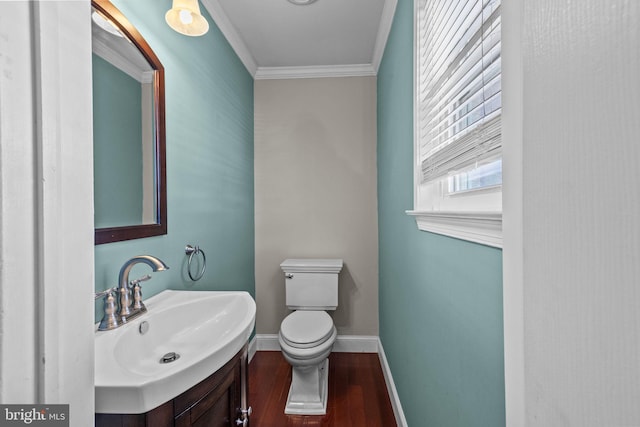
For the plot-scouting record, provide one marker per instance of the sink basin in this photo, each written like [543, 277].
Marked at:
[205, 328]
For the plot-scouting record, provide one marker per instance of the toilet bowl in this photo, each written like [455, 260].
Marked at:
[307, 335]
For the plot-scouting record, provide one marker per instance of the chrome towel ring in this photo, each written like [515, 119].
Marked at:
[193, 251]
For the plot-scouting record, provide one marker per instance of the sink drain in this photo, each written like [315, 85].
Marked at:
[169, 357]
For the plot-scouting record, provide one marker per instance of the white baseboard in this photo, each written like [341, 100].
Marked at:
[391, 388]
[252, 347]
[356, 344]
[345, 344]
[267, 342]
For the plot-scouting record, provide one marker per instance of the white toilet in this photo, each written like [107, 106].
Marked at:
[307, 335]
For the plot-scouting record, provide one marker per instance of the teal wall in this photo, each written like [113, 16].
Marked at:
[440, 298]
[209, 118]
[117, 150]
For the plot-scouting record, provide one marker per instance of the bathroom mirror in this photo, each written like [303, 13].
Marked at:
[130, 199]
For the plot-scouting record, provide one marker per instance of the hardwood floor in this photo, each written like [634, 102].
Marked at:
[357, 392]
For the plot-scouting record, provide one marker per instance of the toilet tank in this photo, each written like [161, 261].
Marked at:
[311, 284]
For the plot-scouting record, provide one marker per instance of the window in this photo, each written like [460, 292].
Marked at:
[457, 108]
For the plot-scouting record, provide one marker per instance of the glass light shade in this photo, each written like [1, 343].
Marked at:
[185, 18]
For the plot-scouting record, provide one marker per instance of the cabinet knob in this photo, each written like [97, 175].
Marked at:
[244, 418]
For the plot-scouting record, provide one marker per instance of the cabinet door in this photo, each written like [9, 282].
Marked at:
[219, 408]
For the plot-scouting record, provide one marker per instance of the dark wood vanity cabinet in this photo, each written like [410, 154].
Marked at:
[214, 402]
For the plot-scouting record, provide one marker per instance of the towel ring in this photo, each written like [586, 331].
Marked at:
[192, 251]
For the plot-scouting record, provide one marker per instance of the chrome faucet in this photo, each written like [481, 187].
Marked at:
[130, 294]
[131, 299]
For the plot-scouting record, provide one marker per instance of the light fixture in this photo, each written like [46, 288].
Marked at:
[185, 18]
[301, 2]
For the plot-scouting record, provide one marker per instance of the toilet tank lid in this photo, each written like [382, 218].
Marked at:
[311, 265]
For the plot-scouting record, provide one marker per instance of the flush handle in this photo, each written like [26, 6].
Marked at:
[289, 275]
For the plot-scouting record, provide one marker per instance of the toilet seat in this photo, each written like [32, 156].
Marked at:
[306, 337]
[306, 328]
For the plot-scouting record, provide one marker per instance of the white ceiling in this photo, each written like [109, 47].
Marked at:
[277, 39]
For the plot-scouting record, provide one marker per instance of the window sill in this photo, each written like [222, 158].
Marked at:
[478, 227]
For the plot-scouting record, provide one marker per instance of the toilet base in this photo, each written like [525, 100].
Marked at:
[309, 389]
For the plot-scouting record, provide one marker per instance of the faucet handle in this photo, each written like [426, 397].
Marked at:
[104, 293]
[110, 319]
[135, 282]
[137, 292]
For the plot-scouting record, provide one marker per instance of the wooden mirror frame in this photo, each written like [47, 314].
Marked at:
[117, 234]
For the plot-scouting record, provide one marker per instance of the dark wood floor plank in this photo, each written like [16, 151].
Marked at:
[374, 388]
[338, 390]
[357, 393]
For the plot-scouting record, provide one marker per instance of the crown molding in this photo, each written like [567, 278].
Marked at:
[233, 37]
[265, 73]
[386, 21]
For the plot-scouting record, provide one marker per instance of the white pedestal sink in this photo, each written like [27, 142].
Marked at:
[204, 328]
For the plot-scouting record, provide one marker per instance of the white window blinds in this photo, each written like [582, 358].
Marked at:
[458, 85]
